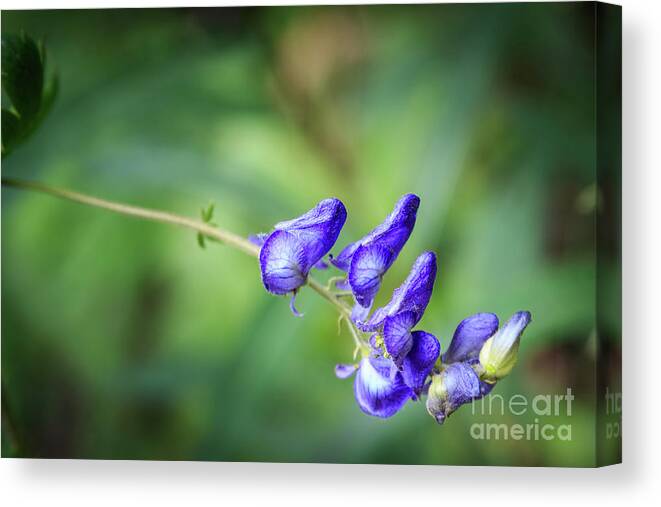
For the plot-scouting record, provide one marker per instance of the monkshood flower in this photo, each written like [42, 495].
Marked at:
[367, 260]
[294, 247]
[455, 386]
[459, 384]
[499, 353]
[377, 392]
[381, 391]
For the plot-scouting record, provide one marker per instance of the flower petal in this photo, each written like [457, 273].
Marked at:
[368, 265]
[397, 336]
[510, 332]
[375, 392]
[414, 294]
[283, 262]
[470, 335]
[420, 360]
[392, 233]
[456, 385]
[317, 229]
[343, 371]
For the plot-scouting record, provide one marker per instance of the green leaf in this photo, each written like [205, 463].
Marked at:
[23, 83]
[200, 240]
[22, 74]
[207, 213]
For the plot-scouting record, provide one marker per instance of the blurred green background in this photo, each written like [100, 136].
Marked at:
[124, 339]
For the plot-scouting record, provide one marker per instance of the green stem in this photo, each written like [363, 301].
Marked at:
[226, 237]
[229, 238]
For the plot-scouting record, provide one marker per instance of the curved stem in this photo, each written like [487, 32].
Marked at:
[224, 236]
[229, 238]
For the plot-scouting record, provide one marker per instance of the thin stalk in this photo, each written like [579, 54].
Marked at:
[222, 235]
[229, 238]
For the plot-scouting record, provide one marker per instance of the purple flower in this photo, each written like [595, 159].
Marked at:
[412, 296]
[377, 392]
[298, 245]
[367, 260]
[382, 390]
[477, 344]
[398, 363]
[454, 386]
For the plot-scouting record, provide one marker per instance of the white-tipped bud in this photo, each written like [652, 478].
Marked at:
[499, 353]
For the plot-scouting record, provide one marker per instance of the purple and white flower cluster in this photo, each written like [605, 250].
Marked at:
[398, 363]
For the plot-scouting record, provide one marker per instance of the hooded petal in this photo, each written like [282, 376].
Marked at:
[376, 393]
[499, 353]
[295, 246]
[420, 360]
[317, 229]
[413, 295]
[390, 236]
[343, 371]
[470, 335]
[368, 265]
[284, 263]
[456, 385]
[397, 336]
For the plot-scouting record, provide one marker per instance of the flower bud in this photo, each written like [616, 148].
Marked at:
[456, 385]
[499, 353]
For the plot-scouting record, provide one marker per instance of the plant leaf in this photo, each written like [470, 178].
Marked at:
[23, 82]
[22, 74]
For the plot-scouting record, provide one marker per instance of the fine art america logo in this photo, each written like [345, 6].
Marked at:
[542, 406]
